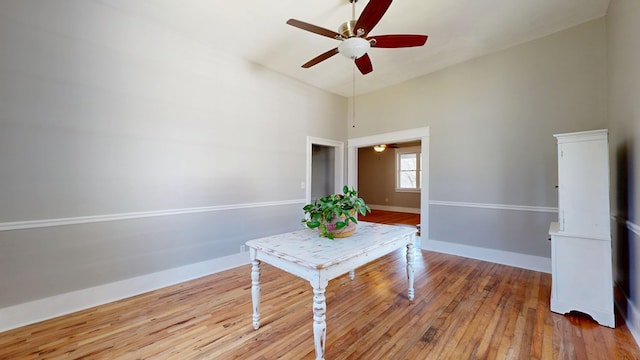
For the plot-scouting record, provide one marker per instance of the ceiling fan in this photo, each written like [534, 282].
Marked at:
[354, 38]
[382, 147]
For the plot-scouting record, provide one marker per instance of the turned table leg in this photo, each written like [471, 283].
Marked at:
[255, 289]
[319, 318]
[410, 261]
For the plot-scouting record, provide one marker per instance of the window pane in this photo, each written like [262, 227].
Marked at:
[408, 162]
[408, 179]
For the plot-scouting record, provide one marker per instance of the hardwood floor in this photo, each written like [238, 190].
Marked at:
[391, 217]
[464, 309]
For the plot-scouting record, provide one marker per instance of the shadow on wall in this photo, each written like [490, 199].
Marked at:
[624, 248]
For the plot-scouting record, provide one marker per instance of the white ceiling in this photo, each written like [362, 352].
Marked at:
[458, 30]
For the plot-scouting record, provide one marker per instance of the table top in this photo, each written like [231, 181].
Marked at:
[306, 248]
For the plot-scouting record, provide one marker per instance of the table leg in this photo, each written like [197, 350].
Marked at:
[319, 318]
[410, 261]
[352, 274]
[255, 290]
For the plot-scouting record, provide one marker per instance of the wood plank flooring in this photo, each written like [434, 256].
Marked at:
[391, 217]
[464, 309]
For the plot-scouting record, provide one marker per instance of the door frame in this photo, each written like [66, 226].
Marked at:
[338, 163]
[423, 134]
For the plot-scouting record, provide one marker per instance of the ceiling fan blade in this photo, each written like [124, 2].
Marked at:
[312, 28]
[319, 58]
[364, 64]
[397, 41]
[371, 15]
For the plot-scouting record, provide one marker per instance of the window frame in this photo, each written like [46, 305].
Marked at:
[409, 150]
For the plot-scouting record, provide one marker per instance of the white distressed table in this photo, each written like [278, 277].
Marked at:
[318, 260]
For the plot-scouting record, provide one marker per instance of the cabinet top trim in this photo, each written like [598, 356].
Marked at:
[590, 135]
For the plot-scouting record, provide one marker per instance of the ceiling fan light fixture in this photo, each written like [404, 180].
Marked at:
[380, 148]
[353, 47]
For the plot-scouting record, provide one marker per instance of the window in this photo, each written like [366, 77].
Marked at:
[408, 168]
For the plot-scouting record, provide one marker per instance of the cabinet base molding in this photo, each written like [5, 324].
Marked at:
[605, 317]
[581, 273]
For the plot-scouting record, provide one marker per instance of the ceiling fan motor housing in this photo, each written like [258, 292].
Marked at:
[348, 29]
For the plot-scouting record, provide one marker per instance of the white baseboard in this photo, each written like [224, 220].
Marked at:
[530, 262]
[395, 208]
[629, 311]
[631, 317]
[42, 309]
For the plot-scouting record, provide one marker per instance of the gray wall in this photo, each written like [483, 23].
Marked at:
[623, 27]
[105, 113]
[491, 121]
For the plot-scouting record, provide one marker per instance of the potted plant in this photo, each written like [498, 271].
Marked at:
[335, 215]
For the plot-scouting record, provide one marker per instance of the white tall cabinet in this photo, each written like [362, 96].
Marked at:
[581, 262]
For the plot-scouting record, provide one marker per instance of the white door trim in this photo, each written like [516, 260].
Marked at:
[423, 134]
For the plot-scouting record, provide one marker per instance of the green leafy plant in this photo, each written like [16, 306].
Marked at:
[342, 206]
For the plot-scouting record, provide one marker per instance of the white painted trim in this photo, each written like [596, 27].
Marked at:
[42, 309]
[627, 308]
[396, 136]
[530, 262]
[631, 316]
[395, 208]
[423, 134]
[597, 237]
[591, 135]
[32, 224]
[338, 164]
[633, 227]
[495, 206]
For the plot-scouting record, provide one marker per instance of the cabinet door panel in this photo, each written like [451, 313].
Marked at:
[584, 188]
[583, 269]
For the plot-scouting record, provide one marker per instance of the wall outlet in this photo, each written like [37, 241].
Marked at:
[243, 248]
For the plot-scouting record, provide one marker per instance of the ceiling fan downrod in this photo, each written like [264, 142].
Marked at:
[348, 29]
[353, 9]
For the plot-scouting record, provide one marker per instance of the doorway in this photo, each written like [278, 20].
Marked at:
[322, 171]
[325, 167]
[419, 134]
